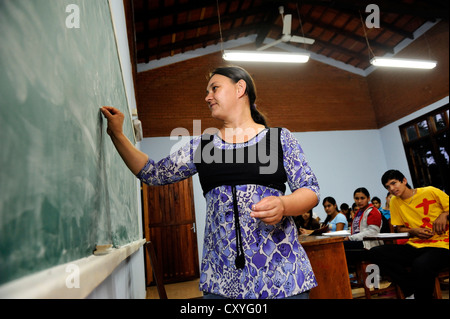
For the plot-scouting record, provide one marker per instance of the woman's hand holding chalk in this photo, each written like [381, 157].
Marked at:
[133, 157]
[115, 120]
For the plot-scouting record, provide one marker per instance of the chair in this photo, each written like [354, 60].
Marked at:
[437, 283]
[361, 276]
[157, 271]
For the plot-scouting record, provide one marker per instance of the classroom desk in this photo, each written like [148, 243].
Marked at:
[327, 257]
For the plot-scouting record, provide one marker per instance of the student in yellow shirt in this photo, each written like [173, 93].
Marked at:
[423, 213]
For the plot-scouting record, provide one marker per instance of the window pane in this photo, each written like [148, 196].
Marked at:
[429, 158]
[411, 132]
[439, 121]
[423, 128]
[444, 154]
[442, 142]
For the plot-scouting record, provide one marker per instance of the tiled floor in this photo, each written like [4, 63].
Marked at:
[189, 289]
[181, 290]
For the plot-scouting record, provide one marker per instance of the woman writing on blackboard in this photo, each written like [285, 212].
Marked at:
[251, 247]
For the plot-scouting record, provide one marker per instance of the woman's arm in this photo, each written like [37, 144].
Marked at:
[340, 226]
[133, 158]
[370, 231]
[301, 180]
[272, 209]
[373, 222]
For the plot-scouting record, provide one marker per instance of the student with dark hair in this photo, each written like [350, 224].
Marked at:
[335, 220]
[345, 209]
[251, 247]
[306, 223]
[385, 215]
[376, 202]
[423, 214]
[367, 221]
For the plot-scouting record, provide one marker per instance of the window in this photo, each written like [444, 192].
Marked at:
[426, 145]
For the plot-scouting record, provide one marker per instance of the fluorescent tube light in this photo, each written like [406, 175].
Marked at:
[403, 63]
[252, 56]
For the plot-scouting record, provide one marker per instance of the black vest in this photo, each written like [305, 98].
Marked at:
[260, 163]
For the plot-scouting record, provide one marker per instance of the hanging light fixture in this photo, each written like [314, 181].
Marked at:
[396, 62]
[261, 56]
[403, 63]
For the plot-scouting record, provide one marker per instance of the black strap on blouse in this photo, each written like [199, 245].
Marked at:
[240, 259]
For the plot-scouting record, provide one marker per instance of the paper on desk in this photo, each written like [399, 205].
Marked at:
[392, 235]
[343, 233]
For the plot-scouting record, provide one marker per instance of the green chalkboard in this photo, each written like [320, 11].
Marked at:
[63, 187]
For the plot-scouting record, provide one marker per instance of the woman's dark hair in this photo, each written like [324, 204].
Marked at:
[236, 73]
[376, 199]
[361, 190]
[344, 206]
[392, 174]
[332, 201]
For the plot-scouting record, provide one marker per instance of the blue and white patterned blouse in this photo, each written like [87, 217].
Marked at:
[276, 264]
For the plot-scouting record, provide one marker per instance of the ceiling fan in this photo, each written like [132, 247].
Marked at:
[287, 37]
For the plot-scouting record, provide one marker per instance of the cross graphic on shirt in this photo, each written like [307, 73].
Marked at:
[426, 223]
[426, 205]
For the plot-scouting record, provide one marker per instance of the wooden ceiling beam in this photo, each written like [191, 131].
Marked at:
[426, 9]
[347, 34]
[269, 21]
[161, 11]
[201, 39]
[141, 36]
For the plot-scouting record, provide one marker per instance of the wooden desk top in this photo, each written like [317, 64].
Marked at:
[306, 241]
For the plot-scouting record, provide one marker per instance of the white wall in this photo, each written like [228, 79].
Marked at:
[341, 160]
[344, 161]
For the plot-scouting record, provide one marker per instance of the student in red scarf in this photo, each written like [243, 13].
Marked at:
[367, 222]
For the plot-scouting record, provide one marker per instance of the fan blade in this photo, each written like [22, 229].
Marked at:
[287, 21]
[298, 39]
[269, 45]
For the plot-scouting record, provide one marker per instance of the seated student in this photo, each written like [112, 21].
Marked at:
[385, 228]
[354, 211]
[345, 209]
[335, 220]
[376, 202]
[367, 222]
[423, 213]
[385, 211]
[306, 223]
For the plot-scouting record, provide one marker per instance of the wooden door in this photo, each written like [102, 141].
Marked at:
[169, 222]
